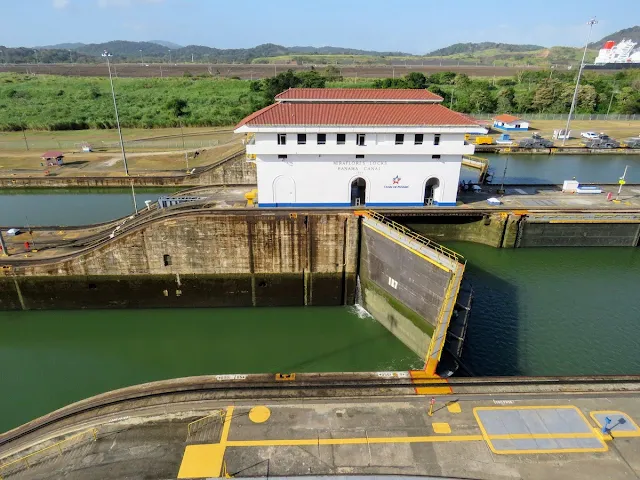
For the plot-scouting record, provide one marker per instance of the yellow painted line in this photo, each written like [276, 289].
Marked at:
[488, 437]
[351, 441]
[227, 425]
[594, 221]
[614, 432]
[415, 252]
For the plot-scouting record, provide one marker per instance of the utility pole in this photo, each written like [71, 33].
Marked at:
[70, 57]
[24, 135]
[622, 181]
[3, 245]
[115, 107]
[613, 92]
[591, 23]
[141, 59]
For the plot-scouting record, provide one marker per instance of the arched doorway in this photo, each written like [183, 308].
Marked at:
[284, 191]
[430, 190]
[358, 191]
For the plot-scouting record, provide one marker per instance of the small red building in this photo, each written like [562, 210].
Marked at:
[53, 158]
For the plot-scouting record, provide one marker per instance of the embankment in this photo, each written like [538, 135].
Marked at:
[231, 170]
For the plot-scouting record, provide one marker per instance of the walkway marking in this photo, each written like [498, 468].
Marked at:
[537, 429]
[626, 428]
[351, 441]
[259, 414]
[442, 427]
[426, 384]
[454, 407]
[204, 461]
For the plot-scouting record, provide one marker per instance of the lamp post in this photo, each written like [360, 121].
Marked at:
[591, 23]
[107, 55]
[141, 59]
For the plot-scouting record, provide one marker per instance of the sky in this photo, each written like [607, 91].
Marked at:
[413, 26]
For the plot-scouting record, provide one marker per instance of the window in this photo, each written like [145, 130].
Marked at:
[360, 139]
[167, 260]
[282, 139]
[282, 157]
[359, 156]
[302, 138]
[399, 138]
[322, 138]
[419, 138]
[436, 139]
[435, 157]
[341, 138]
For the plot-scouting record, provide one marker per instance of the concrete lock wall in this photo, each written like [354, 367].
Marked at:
[233, 170]
[546, 234]
[201, 260]
[402, 290]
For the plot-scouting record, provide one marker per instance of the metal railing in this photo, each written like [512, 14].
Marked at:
[217, 415]
[415, 236]
[39, 455]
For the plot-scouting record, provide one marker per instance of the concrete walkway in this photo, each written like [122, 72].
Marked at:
[497, 436]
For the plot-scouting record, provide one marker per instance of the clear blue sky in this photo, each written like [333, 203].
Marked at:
[415, 26]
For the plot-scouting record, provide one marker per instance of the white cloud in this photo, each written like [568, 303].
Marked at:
[123, 3]
[60, 3]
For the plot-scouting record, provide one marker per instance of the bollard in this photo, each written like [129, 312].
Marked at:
[431, 404]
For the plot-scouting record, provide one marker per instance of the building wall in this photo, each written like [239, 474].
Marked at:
[325, 180]
[512, 126]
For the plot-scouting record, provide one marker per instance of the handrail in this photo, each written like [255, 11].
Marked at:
[453, 286]
[218, 414]
[415, 236]
[59, 444]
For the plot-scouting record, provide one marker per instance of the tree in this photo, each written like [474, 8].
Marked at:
[416, 80]
[505, 100]
[481, 101]
[332, 74]
[544, 96]
[587, 97]
[179, 108]
[462, 80]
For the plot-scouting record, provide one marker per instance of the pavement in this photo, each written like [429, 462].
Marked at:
[550, 196]
[496, 436]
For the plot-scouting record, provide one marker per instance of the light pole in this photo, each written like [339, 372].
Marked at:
[591, 23]
[115, 107]
[141, 59]
[70, 57]
[622, 181]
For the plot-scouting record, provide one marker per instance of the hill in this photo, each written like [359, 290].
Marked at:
[164, 43]
[477, 47]
[632, 33]
[343, 51]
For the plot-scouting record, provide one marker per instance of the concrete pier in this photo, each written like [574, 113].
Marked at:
[338, 424]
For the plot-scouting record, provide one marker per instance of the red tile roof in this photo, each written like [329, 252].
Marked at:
[506, 118]
[359, 94]
[52, 154]
[348, 114]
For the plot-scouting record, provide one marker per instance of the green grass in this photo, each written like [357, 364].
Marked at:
[65, 103]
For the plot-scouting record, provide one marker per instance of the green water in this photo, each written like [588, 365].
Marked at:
[553, 311]
[52, 358]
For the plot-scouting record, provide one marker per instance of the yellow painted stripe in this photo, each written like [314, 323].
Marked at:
[351, 441]
[227, 425]
[594, 221]
[535, 436]
[415, 252]
[433, 390]
[604, 448]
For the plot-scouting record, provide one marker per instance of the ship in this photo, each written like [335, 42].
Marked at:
[614, 56]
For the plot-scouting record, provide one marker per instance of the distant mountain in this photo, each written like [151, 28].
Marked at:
[62, 46]
[344, 51]
[632, 33]
[476, 47]
[164, 43]
[123, 48]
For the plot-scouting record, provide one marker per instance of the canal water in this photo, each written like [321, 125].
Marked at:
[52, 358]
[555, 169]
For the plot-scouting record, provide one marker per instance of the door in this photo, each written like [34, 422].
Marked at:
[284, 191]
[430, 190]
[358, 192]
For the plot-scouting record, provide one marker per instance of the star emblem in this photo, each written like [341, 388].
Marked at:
[396, 180]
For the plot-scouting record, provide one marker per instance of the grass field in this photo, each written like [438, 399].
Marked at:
[155, 152]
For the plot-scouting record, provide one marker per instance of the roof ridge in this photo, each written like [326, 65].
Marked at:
[255, 115]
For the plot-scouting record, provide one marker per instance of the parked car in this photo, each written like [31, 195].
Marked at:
[589, 135]
[13, 232]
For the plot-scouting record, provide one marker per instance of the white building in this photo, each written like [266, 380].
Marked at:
[509, 122]
[342, 147]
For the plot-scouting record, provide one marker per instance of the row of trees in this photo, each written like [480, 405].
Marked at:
[529, 92]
